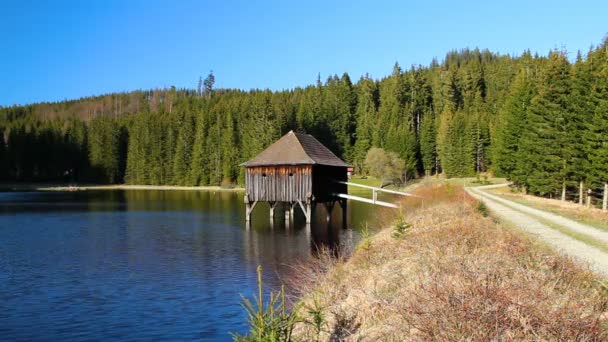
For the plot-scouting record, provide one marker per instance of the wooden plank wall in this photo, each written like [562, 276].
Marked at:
[279, 183]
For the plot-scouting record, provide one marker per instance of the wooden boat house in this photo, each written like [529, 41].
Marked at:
[297, 170]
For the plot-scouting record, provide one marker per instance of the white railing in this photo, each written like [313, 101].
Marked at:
[375, 191]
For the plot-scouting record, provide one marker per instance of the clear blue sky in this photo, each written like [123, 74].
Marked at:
[55, 50]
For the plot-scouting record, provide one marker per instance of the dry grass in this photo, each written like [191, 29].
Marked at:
[453, 275]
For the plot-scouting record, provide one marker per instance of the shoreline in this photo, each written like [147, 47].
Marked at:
[88, 187]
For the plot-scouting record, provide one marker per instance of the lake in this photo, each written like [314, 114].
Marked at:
[146, 265]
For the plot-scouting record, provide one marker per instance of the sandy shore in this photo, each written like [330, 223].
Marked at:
[66, 187]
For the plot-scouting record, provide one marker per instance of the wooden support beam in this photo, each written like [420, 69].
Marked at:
[273, 206]
[309, 213]
[249, 206]
[344, 204]
[306, 209]
[286, 207]
[329, 207]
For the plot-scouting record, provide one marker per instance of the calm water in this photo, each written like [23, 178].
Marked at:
[144, 265]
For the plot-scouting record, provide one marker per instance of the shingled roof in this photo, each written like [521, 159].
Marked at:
[296, 149]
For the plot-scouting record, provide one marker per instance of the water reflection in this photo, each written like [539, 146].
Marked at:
[141, 265]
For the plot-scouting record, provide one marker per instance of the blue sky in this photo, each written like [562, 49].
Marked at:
[56, 50]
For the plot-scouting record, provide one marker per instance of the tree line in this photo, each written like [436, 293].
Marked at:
[540, 121]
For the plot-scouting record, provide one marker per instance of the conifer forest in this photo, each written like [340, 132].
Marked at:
[540, 121]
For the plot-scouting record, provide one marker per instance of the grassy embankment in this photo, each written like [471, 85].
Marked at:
[591, 216]
[448, 271]
[452, 273]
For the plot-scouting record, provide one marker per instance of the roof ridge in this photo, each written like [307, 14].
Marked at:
[302, 145]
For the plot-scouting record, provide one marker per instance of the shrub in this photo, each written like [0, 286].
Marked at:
[400, 228]
[271, 322]
[482, 209]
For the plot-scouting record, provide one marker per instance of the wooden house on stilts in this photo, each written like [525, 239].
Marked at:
[297, 170]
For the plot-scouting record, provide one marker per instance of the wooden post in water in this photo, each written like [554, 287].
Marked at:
[249, 206]
[329, 207]
[343, 204]
[286, 212]
[273, 206]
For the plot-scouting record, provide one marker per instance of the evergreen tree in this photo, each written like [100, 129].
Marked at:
[543, 143]
[578, 116]
[198, 171]
[366, 113]
[183, 150]
[428, 145]
[597, 134]
[512, 120]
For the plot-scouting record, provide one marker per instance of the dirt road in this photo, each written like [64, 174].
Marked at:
[546, 226]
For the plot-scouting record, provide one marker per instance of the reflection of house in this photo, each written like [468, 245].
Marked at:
[298, 170]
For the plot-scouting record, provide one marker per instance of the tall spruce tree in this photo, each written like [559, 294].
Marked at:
[512, 120]
[366, 113]
[543, 143]
[597, 134]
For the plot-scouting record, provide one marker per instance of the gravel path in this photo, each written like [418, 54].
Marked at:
[527, 219]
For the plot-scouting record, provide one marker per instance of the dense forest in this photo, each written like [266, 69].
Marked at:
[541, 121]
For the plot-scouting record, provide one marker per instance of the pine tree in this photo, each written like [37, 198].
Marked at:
[208, 83]
[366, 113]
[229, 156]
[543, 143]
[597, 135]
[578, 117]
[428, 144]
[391, 112]
[512, 120]
[183, 150]
[198, 172]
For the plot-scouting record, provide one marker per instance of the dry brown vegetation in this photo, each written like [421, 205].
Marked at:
[452, 274]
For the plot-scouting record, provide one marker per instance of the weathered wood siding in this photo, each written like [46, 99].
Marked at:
[279, 183]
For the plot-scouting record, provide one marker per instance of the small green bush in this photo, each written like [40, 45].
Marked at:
[366, 238]
[482, 209]
[400, 228]
[271, 322]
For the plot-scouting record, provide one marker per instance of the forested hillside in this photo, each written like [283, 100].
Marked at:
[538, 120]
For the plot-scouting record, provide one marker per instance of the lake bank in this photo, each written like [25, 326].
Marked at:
[87, 187]
[450, 271]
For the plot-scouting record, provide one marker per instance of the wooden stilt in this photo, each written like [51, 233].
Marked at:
[343, 204]
[308, 213]
[286, 207]
[249, 206]
[306, 209]
[329, 206]
[273, 206]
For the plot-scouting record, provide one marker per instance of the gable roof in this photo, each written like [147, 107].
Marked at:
[296, 149]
